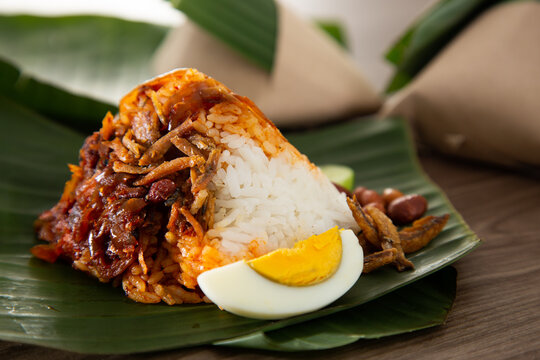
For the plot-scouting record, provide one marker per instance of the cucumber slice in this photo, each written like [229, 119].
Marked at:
[340, 174]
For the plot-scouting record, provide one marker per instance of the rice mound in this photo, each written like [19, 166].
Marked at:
[275, 201]
[187, 177]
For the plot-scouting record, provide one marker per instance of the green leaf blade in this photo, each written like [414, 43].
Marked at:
[429, 35]
[73, 68]
[420, 305]
[335, 30]
[249, 27]
[78, 112]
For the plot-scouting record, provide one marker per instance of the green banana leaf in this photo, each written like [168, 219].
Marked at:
[422, 304]
[335, 30]
[100, 58]
[94, 60]
[249, 27]
[83, 113]
[94, 57]
[430, 34]
[56, 306]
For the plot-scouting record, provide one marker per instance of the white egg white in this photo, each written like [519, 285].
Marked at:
[240, 290]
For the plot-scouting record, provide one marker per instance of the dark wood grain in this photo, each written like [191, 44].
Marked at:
[496, 314]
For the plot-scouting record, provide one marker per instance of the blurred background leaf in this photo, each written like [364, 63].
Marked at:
[99, 57]
[335, 30]
[431, 33]
[76, 111]
[250, 27]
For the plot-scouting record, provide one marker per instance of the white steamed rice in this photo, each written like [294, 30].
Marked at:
[276, 201]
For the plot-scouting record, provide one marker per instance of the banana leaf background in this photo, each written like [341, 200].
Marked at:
[45, 118]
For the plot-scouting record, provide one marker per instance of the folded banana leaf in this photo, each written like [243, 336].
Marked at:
[401, 311]
[54, 305]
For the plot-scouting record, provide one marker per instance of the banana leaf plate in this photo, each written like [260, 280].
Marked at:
[44, 125]
[53, 305]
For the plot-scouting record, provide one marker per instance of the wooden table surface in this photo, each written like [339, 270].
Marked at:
[496, 314]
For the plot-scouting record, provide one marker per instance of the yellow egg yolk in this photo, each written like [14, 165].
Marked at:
[309, 262]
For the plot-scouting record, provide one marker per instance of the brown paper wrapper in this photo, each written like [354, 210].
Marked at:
[313, 80]
[480, 97]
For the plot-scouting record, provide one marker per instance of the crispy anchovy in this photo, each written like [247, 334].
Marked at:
[121, 152]
[132, 145]
[160, 147]
[209, 171]
[185, 146]
[364, 221]
[363, 242]
[209, 209]
[421, 232]
[170, 167]
[119, 166]
[175, 214]
[378, 259]
[157, 106]
[198, 201]
[194, 223]
[201, 142]
[389, 237]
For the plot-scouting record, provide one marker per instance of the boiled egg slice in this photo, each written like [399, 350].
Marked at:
[288, 282]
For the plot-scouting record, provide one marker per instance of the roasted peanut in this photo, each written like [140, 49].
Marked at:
[358, 191]
[407, 208]
[390, 194]
[369, 196]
